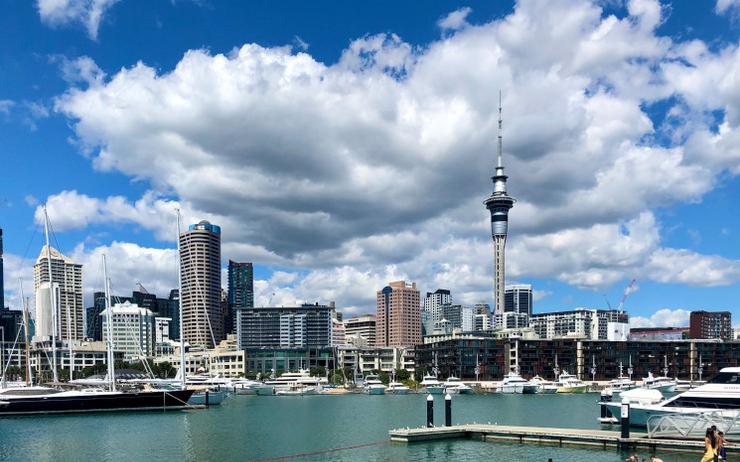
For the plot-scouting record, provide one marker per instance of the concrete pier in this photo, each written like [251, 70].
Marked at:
[550, 436]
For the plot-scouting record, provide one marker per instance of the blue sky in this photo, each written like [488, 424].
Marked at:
[376, 168]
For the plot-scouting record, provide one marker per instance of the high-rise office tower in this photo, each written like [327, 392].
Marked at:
[398, 321]
[241, 288]
[66, 279]
[517, 307]
[200, 268]
[433, 303]
[498, 204]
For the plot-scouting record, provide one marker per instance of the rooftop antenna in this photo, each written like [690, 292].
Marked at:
[500, 154]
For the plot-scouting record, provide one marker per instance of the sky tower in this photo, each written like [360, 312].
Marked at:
[499, 203]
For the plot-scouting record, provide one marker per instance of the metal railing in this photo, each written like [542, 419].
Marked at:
[693, 425]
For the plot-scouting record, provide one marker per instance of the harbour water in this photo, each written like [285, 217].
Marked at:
[322, 428]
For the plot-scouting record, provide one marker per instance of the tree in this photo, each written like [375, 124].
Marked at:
[384, 377]
[402, 375]
[318, 371]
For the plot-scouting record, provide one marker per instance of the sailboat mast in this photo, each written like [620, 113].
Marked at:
[179, 302]
[25, 332]
[52, 301]
[109, 328]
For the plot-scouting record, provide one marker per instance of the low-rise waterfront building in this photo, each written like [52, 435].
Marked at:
[495, 357]
[225, 360]
[366, 360]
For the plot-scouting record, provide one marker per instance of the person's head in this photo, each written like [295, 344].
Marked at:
[712, 438]
[721, 433]
[714, 428]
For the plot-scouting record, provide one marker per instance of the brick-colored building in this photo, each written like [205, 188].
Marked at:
[710, 324]
[398, 317]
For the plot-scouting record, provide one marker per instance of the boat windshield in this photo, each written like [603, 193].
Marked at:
[726, 377]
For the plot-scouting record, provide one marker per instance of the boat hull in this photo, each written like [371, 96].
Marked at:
[436, 390]
[530, 389]
[375, 391]
[576, 389]
[120, 402]
[214, 398]
[398, 391]
[265, 390]
[511, 389]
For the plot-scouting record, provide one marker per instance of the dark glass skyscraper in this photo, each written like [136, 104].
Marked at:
[241, 284]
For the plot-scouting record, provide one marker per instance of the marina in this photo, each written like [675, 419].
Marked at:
[247, 427]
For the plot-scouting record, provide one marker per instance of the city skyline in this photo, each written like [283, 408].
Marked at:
[611, 159]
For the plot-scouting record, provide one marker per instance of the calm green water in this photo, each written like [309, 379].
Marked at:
[247, 428]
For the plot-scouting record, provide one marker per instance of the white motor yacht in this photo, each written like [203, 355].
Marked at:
[621, 383]
[719, 395]
[397, 388]
[373, 385]
[663, 384]
[432, 385]
[293, 380]
[570, 384]
[543, 386]
[455, 385]
[512, 383]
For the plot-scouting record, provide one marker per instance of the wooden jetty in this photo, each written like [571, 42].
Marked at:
[550, 436]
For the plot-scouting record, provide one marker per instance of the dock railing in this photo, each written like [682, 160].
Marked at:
[694, 425]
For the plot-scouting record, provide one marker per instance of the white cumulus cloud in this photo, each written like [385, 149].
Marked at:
[89, 13]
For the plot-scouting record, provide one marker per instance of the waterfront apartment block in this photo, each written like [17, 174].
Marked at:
[84, 354]
[582, 323]
[200, 258]
[710, 324]
[366, 360]
[398, 319]
[278, 360]
[517, 307]
[305, 326]
[133, 330]
[225, 360]
[495, 357]
[66, 280]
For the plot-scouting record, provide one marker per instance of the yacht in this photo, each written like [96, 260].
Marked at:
[397, 388]
[455, 385]
[432, 385]
[543, 386]
[44, 400]
[373, 385]
[663, 384]
[570, 384]
[720, 395]
[294, 380]
[621, 383]
[512, 383]
[297, 390]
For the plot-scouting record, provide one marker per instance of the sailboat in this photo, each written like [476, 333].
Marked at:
[48, 400]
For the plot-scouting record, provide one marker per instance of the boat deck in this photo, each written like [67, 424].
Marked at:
[550, 436]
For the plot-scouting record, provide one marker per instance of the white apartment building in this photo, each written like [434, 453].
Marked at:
[582, 323]
[132, 330]
[162, 329]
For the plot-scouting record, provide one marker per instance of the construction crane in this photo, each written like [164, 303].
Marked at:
[627, 291]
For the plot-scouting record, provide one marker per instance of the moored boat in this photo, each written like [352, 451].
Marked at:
[570, 384]
[397, 388]
[373, 385]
